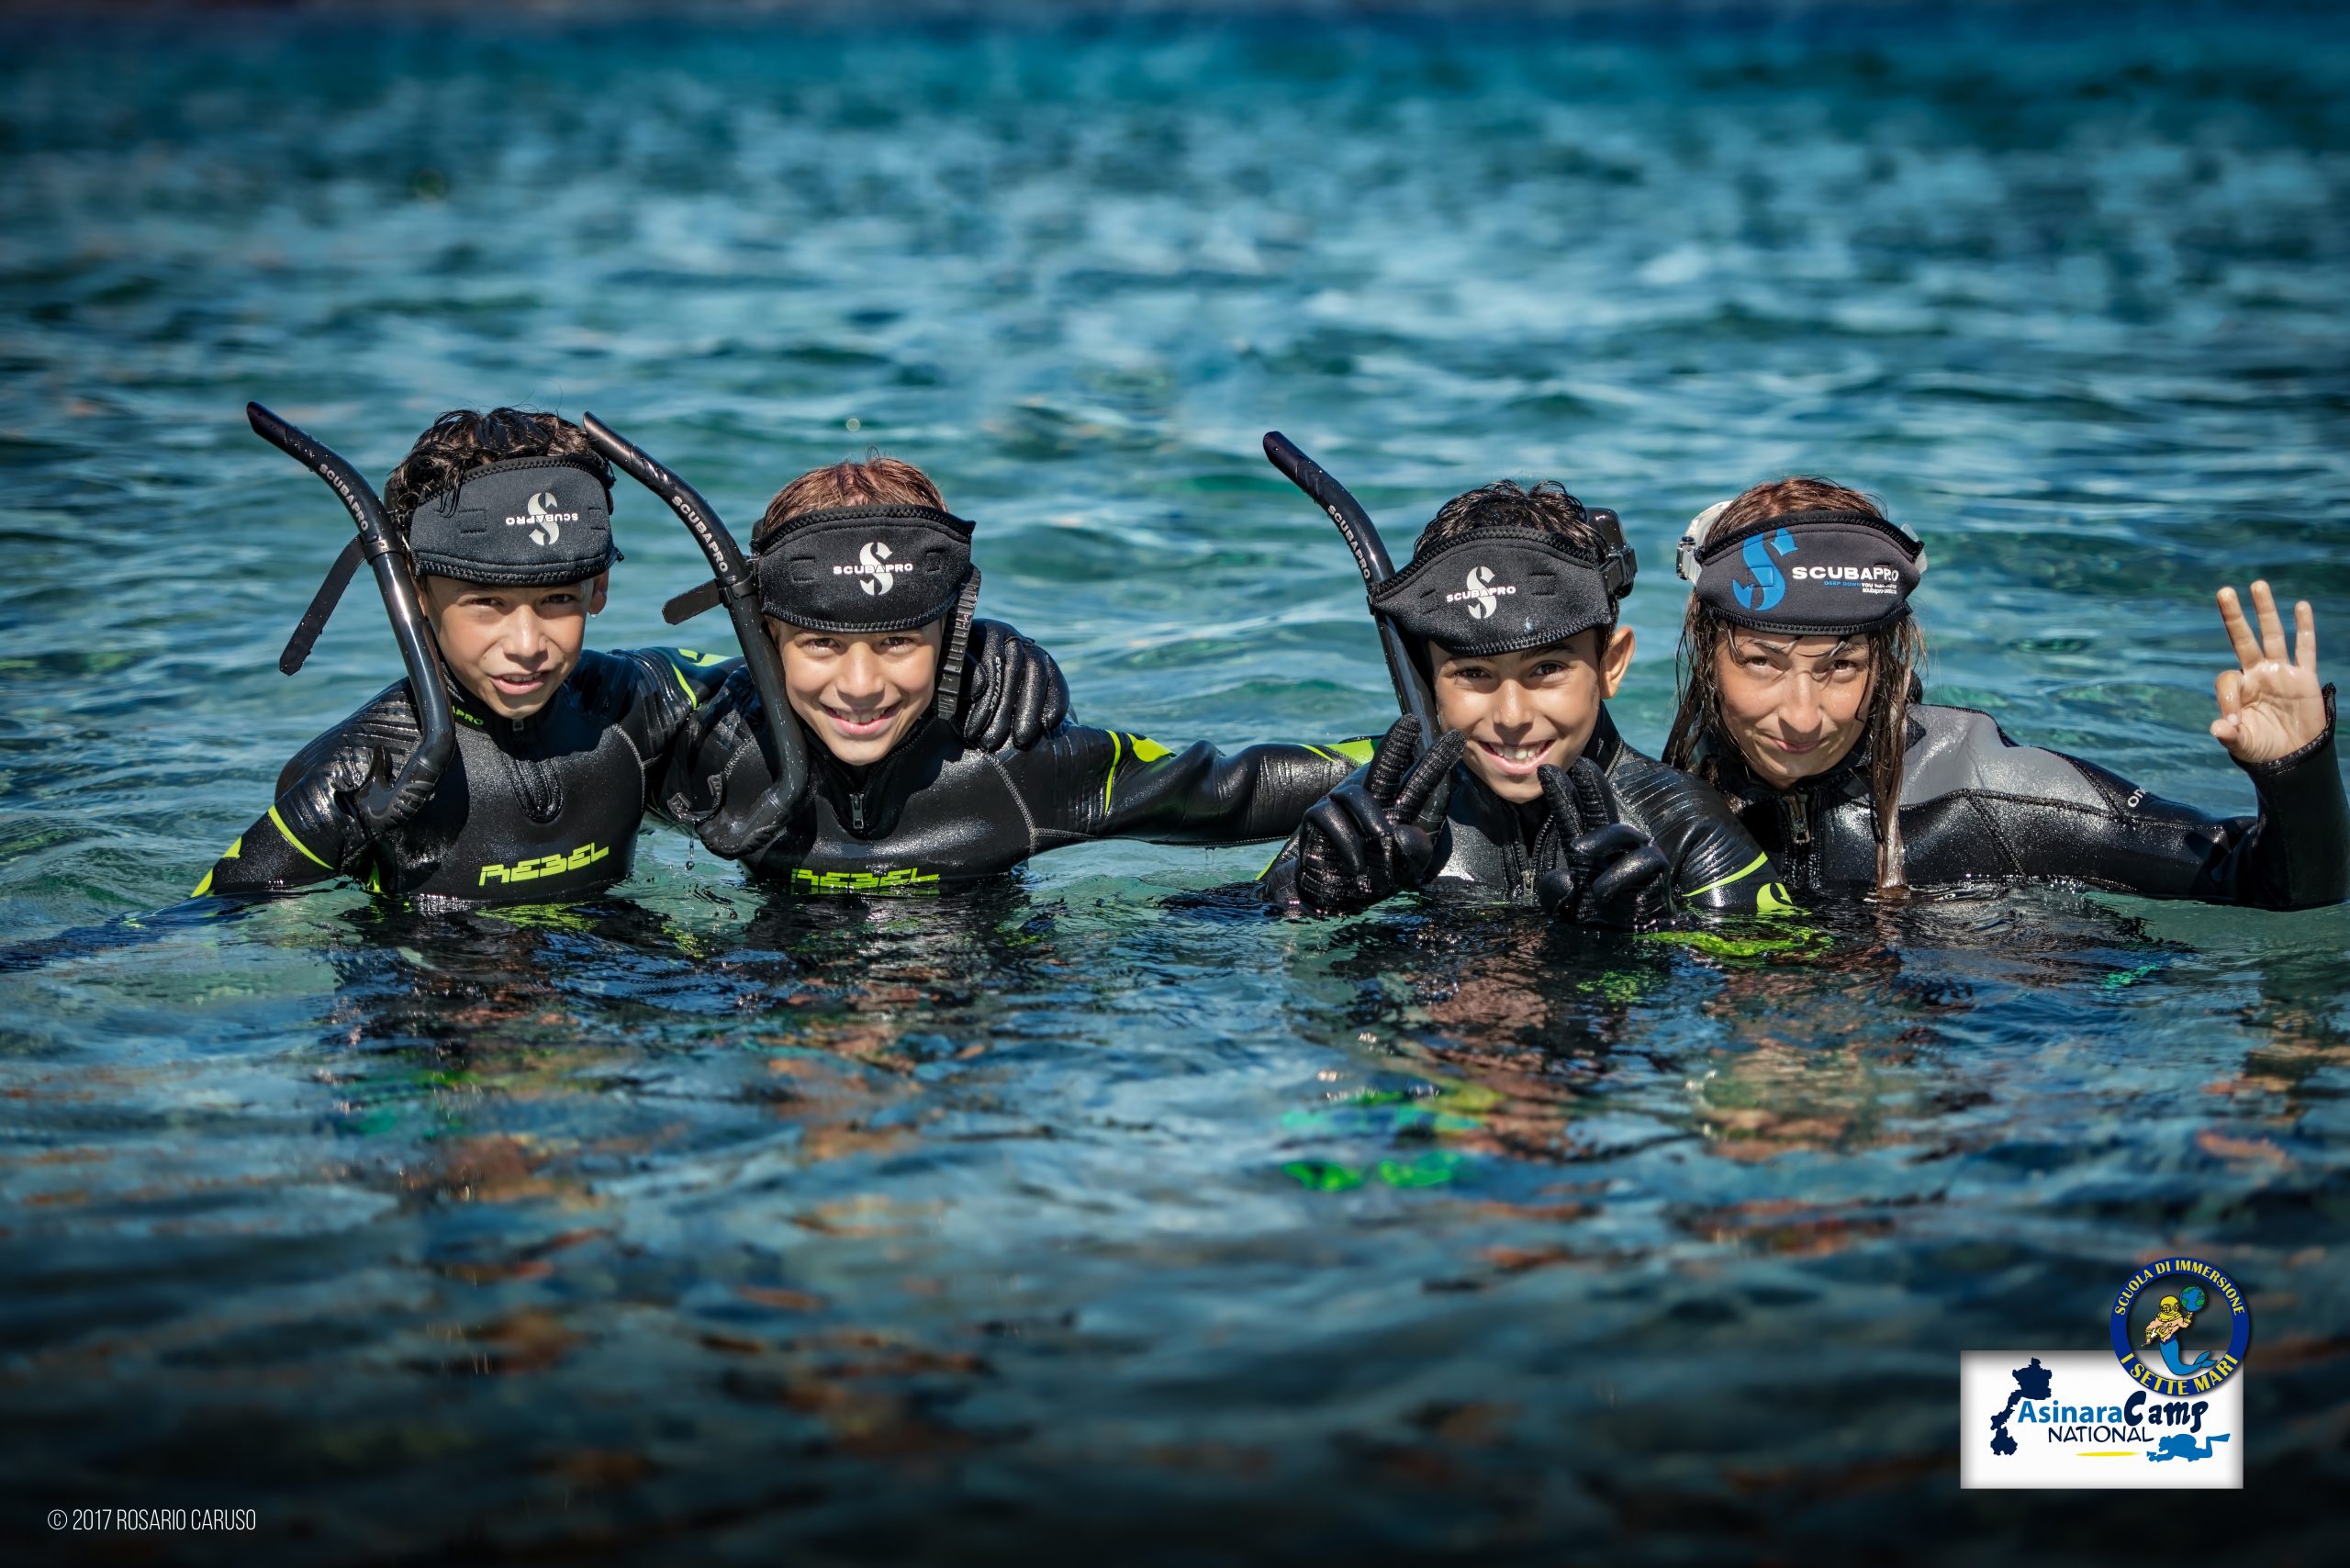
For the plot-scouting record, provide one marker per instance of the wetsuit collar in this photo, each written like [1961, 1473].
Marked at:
[1606, 743]
[470, 710]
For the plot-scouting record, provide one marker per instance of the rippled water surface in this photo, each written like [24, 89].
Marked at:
[1095, 1208]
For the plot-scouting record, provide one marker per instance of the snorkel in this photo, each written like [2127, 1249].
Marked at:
[1371, 559]
[379, 805]
[737, 587]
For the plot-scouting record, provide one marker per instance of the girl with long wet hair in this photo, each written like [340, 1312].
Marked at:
[1801, 702]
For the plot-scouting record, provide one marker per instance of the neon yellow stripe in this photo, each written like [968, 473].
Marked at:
[1118, 748]
[688, 685]
[294, 840]
[1354, 751]
[1147, 750]
[201, 888]
[1747, 870]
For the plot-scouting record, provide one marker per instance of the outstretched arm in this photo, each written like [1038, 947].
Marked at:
[309, 836]
[1087, 783]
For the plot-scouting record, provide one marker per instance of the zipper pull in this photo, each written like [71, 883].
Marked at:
[1799, 820]
[856, 813]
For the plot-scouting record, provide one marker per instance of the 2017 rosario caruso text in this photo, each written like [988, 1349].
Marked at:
[176, 1519]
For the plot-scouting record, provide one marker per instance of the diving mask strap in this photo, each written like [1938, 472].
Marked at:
[314, 620]
[692, 602]
[950, 703]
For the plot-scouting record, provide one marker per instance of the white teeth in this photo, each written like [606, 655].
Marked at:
[1516, 752]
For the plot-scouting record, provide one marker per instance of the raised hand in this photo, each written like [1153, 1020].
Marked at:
[1365, 841]
[2271, 705]
[1613, 876]
[1015, 694]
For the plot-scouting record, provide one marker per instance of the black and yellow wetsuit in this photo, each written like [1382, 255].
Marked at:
[1489, 849]
[1978, 809]
[536, 809]
[936, 811]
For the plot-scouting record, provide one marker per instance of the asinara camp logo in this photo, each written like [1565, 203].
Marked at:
[873, 569]
[2161, 1408]
[543, 518]
[1482, 596]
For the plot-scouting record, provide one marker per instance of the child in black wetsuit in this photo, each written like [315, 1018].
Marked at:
[865, 580]
[1509, 605]
[1800, 702]
[504, 520]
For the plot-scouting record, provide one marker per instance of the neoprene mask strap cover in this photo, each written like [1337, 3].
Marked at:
[1808, 572]
[1498, 590]
[866, 568]
[529, 521]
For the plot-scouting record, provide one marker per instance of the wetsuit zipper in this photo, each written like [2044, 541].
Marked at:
[856, 813]
[1799, 834]
[1534, 859]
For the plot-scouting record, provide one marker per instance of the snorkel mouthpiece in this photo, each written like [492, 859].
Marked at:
[379, 805]
[737, 587]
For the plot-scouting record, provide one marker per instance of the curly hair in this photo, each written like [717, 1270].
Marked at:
[877, 481]
[462, 440]
[1700, 737]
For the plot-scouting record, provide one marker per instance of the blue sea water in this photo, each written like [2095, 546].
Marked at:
[1095, 1210]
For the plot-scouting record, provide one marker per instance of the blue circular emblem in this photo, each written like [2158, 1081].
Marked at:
[2169, 1320]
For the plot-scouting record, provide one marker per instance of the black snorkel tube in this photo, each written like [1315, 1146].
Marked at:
[738, 589]
[1372, 558]
[380, 805]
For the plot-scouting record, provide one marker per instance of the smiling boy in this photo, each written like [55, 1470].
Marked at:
[1510, 608]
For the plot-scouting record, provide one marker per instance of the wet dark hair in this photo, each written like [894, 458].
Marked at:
[1506, 504]
[1700, 737]
[877, 481]
[462, 440]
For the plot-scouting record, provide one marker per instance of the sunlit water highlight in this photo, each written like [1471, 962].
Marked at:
[1095, 1207]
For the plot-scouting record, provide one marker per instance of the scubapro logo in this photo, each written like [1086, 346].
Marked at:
[1483, 597]
[542, 519]
[1770, 585]
[874, 568]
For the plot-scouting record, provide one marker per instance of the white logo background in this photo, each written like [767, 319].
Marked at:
[544, 529]
[1986, 1379]
[876, 577]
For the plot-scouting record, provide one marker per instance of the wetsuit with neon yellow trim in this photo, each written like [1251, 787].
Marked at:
[531, 811]
[935, 811]
[1487, 847]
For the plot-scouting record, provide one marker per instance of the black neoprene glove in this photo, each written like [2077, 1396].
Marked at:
[1610, 874]
[1367, 840]
[1013, 693]
[748, 811]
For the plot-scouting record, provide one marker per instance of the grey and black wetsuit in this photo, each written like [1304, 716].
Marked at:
[935, 811]
[536, 809]
[1977, 808]
[1488, 847]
